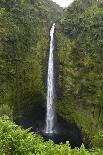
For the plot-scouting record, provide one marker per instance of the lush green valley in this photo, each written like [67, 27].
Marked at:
[24, 46]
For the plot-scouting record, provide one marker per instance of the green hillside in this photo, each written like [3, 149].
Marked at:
[79, 35]
[24, 44]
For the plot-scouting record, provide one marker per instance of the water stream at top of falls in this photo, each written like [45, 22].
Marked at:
[50, 86]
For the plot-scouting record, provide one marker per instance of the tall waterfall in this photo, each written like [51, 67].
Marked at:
[50, 86]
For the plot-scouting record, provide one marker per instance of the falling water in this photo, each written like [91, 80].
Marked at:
[50, 86]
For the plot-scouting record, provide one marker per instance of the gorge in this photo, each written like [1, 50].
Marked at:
[51, 77]
[56, 128]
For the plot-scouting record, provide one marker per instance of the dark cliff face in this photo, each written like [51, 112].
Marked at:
[24, 46]
[80, 67]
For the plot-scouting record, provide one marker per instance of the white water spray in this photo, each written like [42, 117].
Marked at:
[50, 86]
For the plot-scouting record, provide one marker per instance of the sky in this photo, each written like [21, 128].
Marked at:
[63, 3]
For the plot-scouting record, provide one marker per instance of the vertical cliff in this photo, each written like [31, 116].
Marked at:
[79, 35]
[24, 32]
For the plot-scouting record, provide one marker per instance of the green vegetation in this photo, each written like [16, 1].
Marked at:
[24, 42]
[79, 35]
[17, 141]
[24, 39]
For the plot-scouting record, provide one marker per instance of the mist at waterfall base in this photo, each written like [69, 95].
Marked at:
[45, 121]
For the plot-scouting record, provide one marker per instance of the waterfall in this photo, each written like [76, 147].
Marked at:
[50, 86]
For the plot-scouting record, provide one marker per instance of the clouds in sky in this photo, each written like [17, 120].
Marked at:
[63, 3]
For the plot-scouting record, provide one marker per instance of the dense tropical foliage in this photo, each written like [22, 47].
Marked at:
[24, 43]
[80, 67]
[17, 141]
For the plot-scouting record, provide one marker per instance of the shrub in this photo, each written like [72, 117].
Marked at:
[16, 141]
